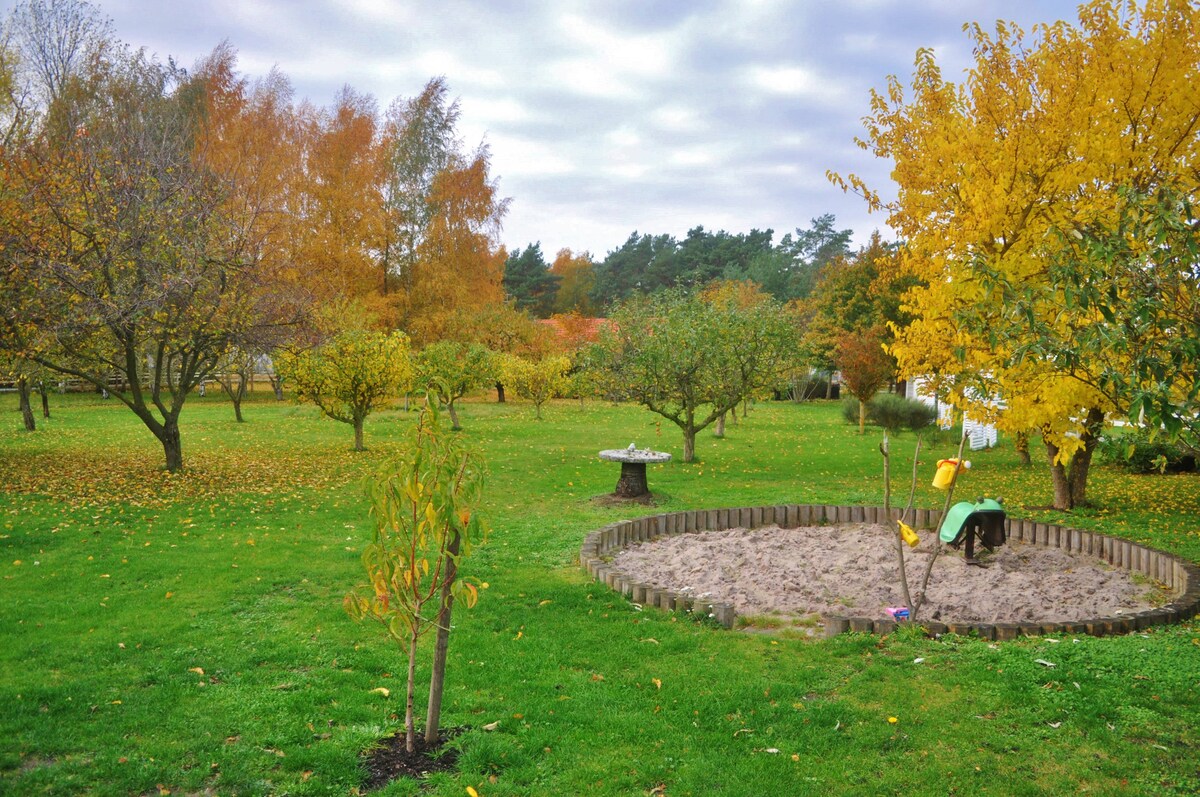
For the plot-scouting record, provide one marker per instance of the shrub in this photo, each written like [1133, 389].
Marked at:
[850, 409]
[1132, 450]
[892, 412]
[895, 413]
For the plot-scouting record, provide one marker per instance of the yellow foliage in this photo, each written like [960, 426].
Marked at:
[1033, 144]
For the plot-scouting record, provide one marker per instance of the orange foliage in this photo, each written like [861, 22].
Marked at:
[576, 278]
[461, 261]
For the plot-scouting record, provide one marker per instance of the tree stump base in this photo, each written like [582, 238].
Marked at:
[632, 484]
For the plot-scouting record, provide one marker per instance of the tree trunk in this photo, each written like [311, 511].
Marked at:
[537, 410]
[437, 679]
[45, 399]
[862, 417]
[829, 387]
[720, 431]
[1058, 476]
[358, 435]
[689, 444]
[26, 409]
[499, 393]
[1081, 463]
[454, 427]
[277, 386]
[1070, 478]
[1021, 444]
[172, 444]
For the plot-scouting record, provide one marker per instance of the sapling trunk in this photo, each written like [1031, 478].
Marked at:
[437, 680]
[885, 449]
[410, 733]
[937, 546]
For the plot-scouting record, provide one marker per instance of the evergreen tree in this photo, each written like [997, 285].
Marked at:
[529, 282]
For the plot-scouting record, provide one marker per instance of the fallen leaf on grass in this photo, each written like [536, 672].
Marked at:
[471, 792]
[491, 726]
[657, 683]
[381, 690]
[1045, 663]
[197, 670]
[1054, 724]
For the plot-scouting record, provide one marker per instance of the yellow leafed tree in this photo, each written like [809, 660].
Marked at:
[995, 173]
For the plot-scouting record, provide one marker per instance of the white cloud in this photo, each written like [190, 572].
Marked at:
[608, 117]
[792, 80]
[677, 119]
[523, 157]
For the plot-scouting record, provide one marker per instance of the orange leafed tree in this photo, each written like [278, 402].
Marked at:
[865, 367]
[340, 209]
[576, 279]
[460, 262]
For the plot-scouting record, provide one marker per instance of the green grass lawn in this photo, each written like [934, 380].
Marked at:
[184, 633]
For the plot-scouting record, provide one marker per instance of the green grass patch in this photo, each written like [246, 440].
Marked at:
[184, 633]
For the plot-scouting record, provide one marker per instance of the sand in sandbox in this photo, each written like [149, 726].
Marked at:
[851, 570]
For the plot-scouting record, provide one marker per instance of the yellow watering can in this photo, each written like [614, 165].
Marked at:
[946, 468]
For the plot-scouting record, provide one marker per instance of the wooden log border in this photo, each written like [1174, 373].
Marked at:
[1179, 576]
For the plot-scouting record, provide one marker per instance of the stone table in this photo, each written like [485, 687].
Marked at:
[632, 483]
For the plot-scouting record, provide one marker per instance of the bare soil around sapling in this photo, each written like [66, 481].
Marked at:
[851, 570]
[391, 759]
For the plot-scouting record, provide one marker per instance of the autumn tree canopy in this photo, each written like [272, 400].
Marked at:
[576, 280]
[998, 174]
[126, 263]
[690, 357]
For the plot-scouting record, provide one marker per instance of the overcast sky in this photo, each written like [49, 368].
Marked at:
[608, 117]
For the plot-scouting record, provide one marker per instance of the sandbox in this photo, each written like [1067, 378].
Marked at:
[838, 564]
